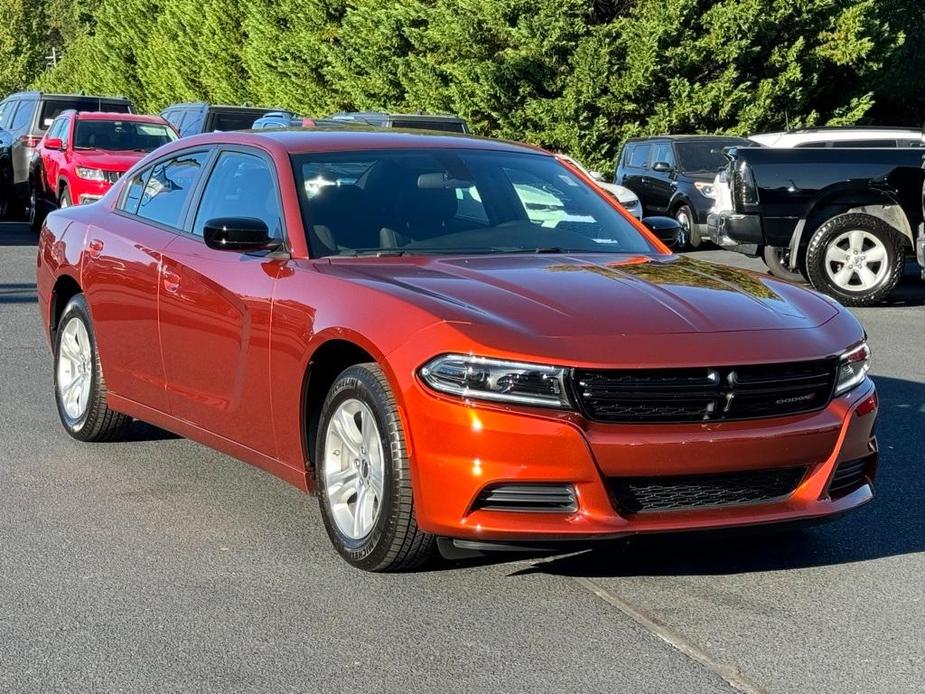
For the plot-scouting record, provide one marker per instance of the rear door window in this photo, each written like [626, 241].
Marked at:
[663, 153]
[169, 187]
[23, 116]
[639, 155]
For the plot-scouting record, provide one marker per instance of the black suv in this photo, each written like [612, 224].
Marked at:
[24, 118]
[673, 175]
[413, 121]
[200, 117]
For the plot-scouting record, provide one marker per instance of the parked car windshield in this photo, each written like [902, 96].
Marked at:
[705, 156]
[448, 201]
[121, 135]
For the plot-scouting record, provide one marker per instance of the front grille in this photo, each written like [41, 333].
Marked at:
[674, 493]
[849, 475]
[556, 498]
[708, 393]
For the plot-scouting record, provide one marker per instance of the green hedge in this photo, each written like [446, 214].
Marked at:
[575, 75]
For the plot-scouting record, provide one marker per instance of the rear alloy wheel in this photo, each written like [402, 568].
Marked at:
[856, 258]
[80, 391]
[777, 260]
[364, 476]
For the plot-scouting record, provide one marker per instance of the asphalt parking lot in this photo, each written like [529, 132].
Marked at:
[160, 565]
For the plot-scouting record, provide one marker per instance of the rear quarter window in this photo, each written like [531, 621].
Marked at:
[23, 116]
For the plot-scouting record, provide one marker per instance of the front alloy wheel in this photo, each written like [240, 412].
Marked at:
[364, 475]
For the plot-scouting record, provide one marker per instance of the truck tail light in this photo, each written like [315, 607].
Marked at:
[745, 191]
[30, 140]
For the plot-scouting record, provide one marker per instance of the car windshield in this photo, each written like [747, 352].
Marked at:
[445, 201]
[705, 155]
[121, 135]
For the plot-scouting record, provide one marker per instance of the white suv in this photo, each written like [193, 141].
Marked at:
[842, 137]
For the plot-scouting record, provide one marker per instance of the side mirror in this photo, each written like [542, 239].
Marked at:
[239, 234]
[597, 176]
[54, 143]
[662, 167]
[668, 230]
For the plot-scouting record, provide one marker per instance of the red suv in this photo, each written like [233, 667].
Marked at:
[84, 153]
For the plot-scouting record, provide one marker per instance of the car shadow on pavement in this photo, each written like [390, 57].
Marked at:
[142, 431]
[17, 293]
[892, 524]
[17, 234]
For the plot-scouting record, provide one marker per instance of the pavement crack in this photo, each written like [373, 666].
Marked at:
[736, 679]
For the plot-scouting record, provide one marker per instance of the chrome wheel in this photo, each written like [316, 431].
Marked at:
[75, 368]
[684, 219]
[354, 469]
[856, 261]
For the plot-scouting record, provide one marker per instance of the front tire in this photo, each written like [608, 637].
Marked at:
[855, 258]
[80, 390]
[364, 475]
[691, 237]
[64, 198]
[776, 260]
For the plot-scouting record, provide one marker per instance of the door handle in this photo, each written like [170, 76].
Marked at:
[171, 280]
[95, 248]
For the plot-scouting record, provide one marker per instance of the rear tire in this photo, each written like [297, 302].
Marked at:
[80, 390]
[776, 260]
[363, 472]
[855, 258]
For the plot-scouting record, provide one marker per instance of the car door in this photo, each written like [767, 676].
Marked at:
[215, 307]
[53, 159]
[636, 168]
[123, 272]
[660, 185]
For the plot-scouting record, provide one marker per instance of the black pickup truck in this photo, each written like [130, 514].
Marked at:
[845, 219]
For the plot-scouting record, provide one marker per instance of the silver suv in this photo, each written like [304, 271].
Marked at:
[24, 118]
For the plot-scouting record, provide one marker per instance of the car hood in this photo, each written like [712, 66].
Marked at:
[120, 161]
[592, 295]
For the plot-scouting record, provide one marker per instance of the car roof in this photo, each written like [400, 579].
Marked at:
[45, 95]
[114, 115]
[305, 141]
[687, 138]
[835, 134]
[403, 116]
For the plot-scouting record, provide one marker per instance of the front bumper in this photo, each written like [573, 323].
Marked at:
[459, 450]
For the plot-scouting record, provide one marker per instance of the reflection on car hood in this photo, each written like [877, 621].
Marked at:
[107, 160]
[585, 295]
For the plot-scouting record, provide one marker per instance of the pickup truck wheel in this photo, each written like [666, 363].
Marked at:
[856, 258]
[776, 259]
[80, 391]
[364, 476]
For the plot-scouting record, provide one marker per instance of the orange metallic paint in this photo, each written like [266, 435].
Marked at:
[216, 346]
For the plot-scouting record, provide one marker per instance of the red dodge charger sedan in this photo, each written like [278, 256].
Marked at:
[449, 337]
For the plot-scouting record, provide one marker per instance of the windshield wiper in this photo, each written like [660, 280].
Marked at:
[542, 249]
[377, 252]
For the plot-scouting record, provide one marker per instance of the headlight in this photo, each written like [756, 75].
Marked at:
[705, 189]
[853, 366]
[91, 174]
[493, 379]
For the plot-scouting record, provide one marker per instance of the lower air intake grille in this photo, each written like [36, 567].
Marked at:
[848, 476]
[548, 498]
[642, 494]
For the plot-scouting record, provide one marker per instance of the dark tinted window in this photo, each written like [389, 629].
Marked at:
[23, 115]
[117, 135]
[663, 153]
[813, 144]
[639, 155]
[134, 190]
[52, 107]
[704, 156]
[169, 186]
[441, 125]
[233, 120]
[241, 185]
[864, 143]
[454, 202]
[7, 108]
